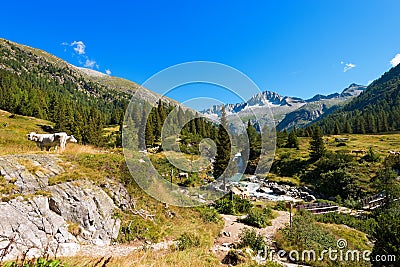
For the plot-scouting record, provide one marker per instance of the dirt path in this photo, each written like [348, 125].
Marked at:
[279, 222]
[229, 234]
[232, 229]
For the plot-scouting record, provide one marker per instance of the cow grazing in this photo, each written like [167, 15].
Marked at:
[67, 139]
[183, 175]
[45, 141]
[51, 140]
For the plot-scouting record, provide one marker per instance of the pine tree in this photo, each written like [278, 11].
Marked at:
[223, 148]
[337, 128]
[386, 182]
[387, 235]
[181, 116]
[292, 142]
[254, 141]
[348, 127]
[281, 138]
[254, 148]
[149, 136]
[308, 131]
[142, 132]
[317, 146]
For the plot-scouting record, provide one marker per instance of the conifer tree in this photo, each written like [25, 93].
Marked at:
[337, 128]
[348, 127]
[254, 148]
[142, 132]
[254, 141]
[223, 148]
[317, 146]
[149, 136]
[292, 142]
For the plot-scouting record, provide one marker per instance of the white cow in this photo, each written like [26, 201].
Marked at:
[67, 139]
[49, 140]
[183, 175]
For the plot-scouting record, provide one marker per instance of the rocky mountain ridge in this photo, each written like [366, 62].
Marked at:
[286, 111]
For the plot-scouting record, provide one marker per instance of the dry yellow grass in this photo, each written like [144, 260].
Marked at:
[190, 257]
[81, 149]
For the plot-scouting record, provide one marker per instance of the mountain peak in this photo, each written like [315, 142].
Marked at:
[353, 90]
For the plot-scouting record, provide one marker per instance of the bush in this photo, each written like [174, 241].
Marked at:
[387, 235]
[280, 205]
[136, 228]
[371, 156]
[305, 234]
[250, 238]
[74, 228]
[36, 263]
[259, 218]
[366, 225]
[209, 215]
[188, 240]
[232, 205]
[234, 257]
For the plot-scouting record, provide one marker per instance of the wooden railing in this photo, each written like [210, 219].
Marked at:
[373, 202]
[319, 208]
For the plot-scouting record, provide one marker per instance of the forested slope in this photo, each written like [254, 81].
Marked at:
[376, 110]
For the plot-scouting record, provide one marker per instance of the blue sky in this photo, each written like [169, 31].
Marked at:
[297, 48]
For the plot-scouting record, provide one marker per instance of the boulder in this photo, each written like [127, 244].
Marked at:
[71, 215]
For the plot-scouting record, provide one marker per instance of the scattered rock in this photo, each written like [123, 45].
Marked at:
[228, 234]
[234, 257]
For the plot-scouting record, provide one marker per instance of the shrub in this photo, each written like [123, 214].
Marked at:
[250, 238]
[259, 218]
[366, 225]
[136, 228]
[371, 156]
[280, 205]
[74, 228]
[209, 215]
[234, 257]
[188, 240]
[36, 263]
[232, 205]
[305, 234]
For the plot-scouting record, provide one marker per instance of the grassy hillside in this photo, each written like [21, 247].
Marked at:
[105, 166]
[13, 131]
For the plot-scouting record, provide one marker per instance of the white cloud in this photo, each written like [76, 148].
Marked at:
[79, 47]
[90, 63]
[395, 61]
[108, 72]
[80, 54]
[347, 66]
[369, 82]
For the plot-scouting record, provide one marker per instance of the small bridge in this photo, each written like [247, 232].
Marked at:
[373, 202]
[319, 208]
